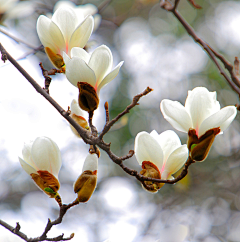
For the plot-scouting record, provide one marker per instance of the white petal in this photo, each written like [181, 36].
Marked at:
[63, 4]
[20, 10]
[169, 141]
[66, 58]
[200, 104]
[78, 71]
[50, 35]
[97, 21]
[82, 33]
[90, 163]
[6, 5]
[101, 62]
[147, 149]
[176, 115]
[76, 109]
[81, 53]
[29, 169]
[67, 21]
[221, 119]
[109, 77]
[46, 155]
[87, 9]
[27, 156]
[175, 161]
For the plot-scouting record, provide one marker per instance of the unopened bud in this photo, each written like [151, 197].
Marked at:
[88, 99]
[151, 170]
[56, 59]
[85, 185]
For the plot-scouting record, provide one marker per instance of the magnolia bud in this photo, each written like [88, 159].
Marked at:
[151, 170]
[88, 99]
[56, 59]
[200, 147]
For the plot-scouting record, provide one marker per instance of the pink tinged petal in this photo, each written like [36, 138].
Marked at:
[90, 163]
[200, 104]
[82, 33]
[81, 53]
[66, 58]
[78, 71]
[101, 62]
[176, 115]
[109, 77]
[76, 109]
[175, 161]
[26, 167]
[221, 119]
[169, 141]
[66, 19]
[49, 34]
[147, 149]
[46, 155]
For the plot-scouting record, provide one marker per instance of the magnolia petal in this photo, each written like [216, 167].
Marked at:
[46, 155]
[66, 19]
[29, 169]
[200, 104]
[6, 5]
[101, 62]
[64, 4]
[97, 21]
[147, 149]
[20, 10]
[169, 141]
[27, 156]
[66, 58]
[78, 71]
[87, 9]
[82, 33]
[175, 161]
[221, 119]
[90, 163]
[110, 76]
[76, 109]
[176, 115]
[81, 53]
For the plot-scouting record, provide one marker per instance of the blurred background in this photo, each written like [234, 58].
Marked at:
[157, 52]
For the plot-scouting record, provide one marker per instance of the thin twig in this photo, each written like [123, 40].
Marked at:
[103, 5]
[107, 112]
[127, 109]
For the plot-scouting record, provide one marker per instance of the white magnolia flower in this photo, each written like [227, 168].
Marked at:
[162, 152]
[201, 112]
[65, 30]
[94, 69]
[87, 181]
[12, 9]
[42, 161]
[85, 10]
[78, 115]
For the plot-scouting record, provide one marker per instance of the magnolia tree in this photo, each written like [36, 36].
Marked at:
[66, 36]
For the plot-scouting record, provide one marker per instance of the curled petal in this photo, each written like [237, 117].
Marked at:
[46, 155]
[221, 119]
[103, 67]
[147, 149]
[200, 104]
[175, 161]
[29, 169]
[176, 115]
[109, 76]
[90, 163]
[82, 33]
[78, 71]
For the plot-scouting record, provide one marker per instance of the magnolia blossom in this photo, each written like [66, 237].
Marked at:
[65, 30]
[12, 9]
[201, 112]
[160, 155]
[85, 10]
[78, 115]
[87, 181]
[90, 72]
[201, 118]
[42, 161]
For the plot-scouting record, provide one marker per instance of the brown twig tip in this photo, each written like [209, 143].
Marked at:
[128, 156]
[194, 4]
[107, 111]
[17, 228]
